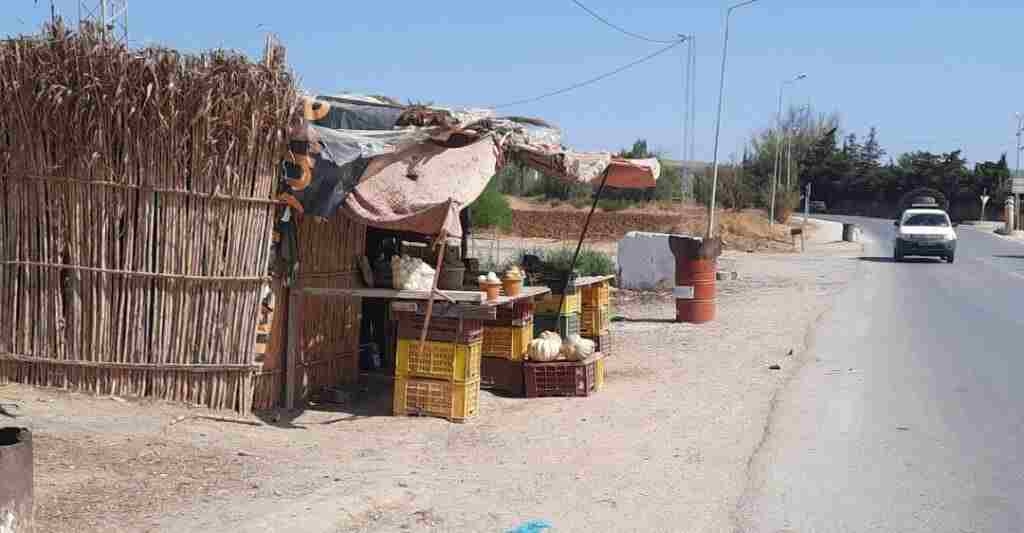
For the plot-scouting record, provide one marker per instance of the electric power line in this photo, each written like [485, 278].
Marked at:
[595, 79]
[620, 29]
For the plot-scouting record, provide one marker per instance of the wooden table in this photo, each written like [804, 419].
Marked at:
[592, 280]
[449, 304]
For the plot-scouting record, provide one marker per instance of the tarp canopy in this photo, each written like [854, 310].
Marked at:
[422, 189]
[413, 168]
[633, 173]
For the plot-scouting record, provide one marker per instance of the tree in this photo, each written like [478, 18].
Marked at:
[851, 148]
[872, 153]
[638, 151]
[945, 172]
[822, 167]
[491, 209]
[993, 176]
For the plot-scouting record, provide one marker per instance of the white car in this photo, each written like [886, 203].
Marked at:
[924, 232]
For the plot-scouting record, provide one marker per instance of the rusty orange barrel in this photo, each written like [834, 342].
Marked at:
[16, 513]
[695, 292]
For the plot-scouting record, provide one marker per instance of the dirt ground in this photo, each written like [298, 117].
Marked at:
[664, 447]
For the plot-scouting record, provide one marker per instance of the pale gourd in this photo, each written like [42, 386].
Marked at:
[576, 348]
[546, 348]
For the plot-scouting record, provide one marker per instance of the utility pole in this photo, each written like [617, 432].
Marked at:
[799, 128]
[789, 159]
[110, 15]
[689, 89]
[1016, 171]
[693, 97]
[807, 202]
[718, 120]
[778, 147]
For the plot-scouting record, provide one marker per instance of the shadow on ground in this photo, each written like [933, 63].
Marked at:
[641, 320]
[371, 397]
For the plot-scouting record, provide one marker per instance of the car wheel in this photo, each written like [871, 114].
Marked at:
[949, 259]
[896, 255]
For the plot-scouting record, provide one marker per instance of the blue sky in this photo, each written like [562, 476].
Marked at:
[931, 75]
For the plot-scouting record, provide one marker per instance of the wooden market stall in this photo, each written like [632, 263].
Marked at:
[156, 245]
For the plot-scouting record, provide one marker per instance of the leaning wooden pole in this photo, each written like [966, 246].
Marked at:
[583, 236]
[443, 237]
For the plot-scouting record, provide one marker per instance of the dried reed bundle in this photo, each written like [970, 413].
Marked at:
[135, 192]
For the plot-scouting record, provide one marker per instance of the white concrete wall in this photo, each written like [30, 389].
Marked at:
[645, 261]
[824, 231]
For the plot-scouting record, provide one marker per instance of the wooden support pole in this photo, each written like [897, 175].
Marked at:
[433, 291]
[295, 299]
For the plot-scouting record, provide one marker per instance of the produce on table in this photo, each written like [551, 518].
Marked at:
[411, 274]
[576, 348]
[546, 348]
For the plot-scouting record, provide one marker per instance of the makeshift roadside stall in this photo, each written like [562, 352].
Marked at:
[215, 244]
[409, 172]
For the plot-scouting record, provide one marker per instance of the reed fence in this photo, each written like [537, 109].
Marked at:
[329, 326]
[135, 215]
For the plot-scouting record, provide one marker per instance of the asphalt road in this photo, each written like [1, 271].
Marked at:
[910, 415]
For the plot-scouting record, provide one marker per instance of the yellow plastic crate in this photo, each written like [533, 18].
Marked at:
[596, 295]
[507, 342]
[548, 304]
[599, 374]
[456, 402]
[440, 360]
[595, 321]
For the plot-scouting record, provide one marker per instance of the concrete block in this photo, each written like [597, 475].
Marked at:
[645, 261]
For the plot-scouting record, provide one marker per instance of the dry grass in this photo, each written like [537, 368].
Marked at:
[746, 230]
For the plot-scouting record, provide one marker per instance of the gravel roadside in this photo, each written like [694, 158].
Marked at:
[665, 447]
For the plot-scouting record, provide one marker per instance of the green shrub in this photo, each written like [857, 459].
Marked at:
[590, 262]
[580, 203]
[609, 204]
[594, 263]
[491, 209]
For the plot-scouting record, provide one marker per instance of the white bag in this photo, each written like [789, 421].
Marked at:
[411, 274]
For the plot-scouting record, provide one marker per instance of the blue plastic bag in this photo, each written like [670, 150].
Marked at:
[533, 526]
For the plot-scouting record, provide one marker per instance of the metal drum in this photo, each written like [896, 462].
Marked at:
[695, 292]
[16, 480]
[851, 233]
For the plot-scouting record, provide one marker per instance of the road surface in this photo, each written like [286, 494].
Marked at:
[910, 414]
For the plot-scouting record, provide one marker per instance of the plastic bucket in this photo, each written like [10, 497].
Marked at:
[452, 278]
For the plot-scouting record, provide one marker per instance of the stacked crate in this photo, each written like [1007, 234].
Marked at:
[442, 379]
[506, 339]
[595, 315]
[564, 378]
[559, 313]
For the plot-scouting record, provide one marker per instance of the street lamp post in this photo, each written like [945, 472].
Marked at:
[718, 120]
[1020, 128]
[778, 147]
[1016, 171]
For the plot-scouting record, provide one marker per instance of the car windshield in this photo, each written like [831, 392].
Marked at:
[927, 219]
